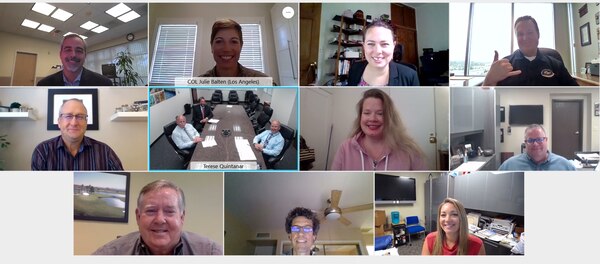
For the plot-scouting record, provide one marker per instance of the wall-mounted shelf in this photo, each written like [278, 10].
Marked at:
[17, 115]
[129, 117]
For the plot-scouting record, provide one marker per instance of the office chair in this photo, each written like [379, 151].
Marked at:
[262, 119]
[551, 53]
[289, 135]
[184, 154]
[232, 98]
[413, 226]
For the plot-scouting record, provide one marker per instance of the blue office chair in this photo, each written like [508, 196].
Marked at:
[383, 242]
[413, 226]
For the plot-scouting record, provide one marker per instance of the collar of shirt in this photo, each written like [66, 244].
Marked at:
[143, 249]
[540, 164]
[538, 56]
[84, 143]
[76, 82]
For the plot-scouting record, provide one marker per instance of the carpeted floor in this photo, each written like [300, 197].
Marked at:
[414, 247]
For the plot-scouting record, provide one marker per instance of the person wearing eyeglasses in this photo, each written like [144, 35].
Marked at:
[160, 215]
[72, 150]
[536, 157]
[302, 226]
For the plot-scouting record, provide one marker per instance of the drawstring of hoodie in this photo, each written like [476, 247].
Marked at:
[362, 161]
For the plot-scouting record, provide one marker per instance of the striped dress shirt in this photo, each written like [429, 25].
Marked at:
[52, 154]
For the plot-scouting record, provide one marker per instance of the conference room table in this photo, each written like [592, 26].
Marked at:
[225, 155]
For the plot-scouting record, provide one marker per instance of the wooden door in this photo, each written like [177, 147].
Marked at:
[24, 71]
[408, 38]
[310, 19]
[567, 126]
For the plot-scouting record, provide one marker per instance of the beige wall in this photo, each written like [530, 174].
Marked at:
[544, 96]
[204, 16]
[586, 53]
[204, 210]
[47, 54]
[561, 33]
[115, 42]
[128, 139]
[405, 210]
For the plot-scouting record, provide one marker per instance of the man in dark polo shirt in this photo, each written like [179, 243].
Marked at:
[73, 51]
[528, 66]
[72, 150]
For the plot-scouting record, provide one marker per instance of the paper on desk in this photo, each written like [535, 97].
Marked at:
[213, 121]
[229, 106]
[244, 149]
[209, 141]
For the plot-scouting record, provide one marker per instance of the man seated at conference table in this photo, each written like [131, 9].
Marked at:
[227, 142]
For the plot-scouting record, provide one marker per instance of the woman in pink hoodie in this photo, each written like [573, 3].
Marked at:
[379, 140]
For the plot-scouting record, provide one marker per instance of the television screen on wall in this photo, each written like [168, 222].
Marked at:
[526, 114]
[395, 189]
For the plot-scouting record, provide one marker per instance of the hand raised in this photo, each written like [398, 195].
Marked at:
[500, 70]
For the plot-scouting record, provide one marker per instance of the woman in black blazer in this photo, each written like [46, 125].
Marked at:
[379, 69]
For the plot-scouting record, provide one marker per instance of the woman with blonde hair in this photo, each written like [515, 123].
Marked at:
[452, 236]
[379, 140]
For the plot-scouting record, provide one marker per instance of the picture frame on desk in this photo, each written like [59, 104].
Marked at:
[101, 196]
[89, 97]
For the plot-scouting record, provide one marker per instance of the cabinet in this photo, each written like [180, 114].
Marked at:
[470, 109]
[493, 192]
[348, 50]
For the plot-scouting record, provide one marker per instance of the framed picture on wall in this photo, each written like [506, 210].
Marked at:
[101, 196]
[56, 97]
[584, 32]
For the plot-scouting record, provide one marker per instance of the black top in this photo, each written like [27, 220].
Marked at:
[542, 71]
[197, 114]
[88, 78]
[400, 75]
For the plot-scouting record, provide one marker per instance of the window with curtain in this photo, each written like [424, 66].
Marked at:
[138, 49]
[252, 51]
[491, 27]
[174, 53]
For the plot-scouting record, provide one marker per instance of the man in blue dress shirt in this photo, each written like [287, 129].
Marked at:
[269, 142]
[185, 135]
[536, 156]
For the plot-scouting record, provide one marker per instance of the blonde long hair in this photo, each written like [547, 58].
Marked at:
[394, 131]
[463, 231]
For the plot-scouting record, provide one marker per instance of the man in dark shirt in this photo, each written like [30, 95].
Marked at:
[201, 114]
[72, 150]
[73, 51]
[528, 66]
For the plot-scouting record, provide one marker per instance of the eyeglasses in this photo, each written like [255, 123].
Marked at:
[69, 117]
[305, 229]
[536, 140]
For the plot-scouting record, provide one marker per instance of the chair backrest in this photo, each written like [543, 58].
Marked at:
[249, 96]
[168, 130]
[552, 53]
[233, 96]
[288, 135]
[216, 98]
[262, 119]
[219, 92]
[412, 220]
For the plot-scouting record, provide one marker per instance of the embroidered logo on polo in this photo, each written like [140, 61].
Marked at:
[547, 73]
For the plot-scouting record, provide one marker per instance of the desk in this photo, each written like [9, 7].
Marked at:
[586, 79]
[234, 118]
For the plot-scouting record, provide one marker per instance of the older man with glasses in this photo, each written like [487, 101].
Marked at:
[536, 156]
[302, 226]
[72, 150]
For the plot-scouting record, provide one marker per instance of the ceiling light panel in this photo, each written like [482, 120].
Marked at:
[46, 28]
[118, 10]
[89, 25]
[30, 24]
[61, 15]
[100, 29]
[129, 16]
[43, 8]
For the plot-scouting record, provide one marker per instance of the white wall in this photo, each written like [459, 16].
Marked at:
[165, 112]
[326, 50]
[203, 216]
[204, 16]
[544, 96]
[128, 139]
[284, 103]
[561, 33]
[586, 53]
[442, 117]
[432, 25]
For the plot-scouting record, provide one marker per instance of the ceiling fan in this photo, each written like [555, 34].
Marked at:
[334, 212]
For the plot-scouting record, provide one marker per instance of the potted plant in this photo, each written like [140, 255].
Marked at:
[124, 62]
[3, 144]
